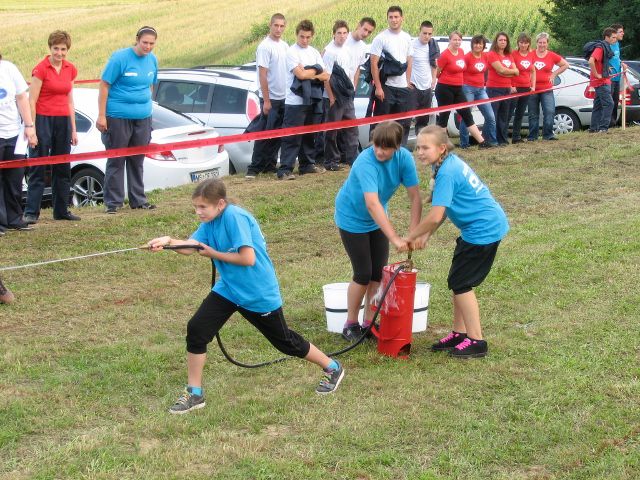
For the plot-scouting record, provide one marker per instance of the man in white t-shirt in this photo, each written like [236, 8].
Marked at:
[423, 72]
[392, 95]
[271, 70]
[306, 75]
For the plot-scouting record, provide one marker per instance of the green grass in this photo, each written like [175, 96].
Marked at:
[197, 32]
[92, 354]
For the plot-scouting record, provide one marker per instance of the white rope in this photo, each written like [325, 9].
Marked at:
[80, 257]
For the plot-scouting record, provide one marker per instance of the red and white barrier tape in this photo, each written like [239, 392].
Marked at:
[266, 134]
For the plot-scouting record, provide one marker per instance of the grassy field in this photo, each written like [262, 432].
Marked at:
[92, 354]
[196, 32]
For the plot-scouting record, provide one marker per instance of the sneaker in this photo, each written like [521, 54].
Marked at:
[68, 216]
[486, 144]
[334, 167]
[448, 342]
[331, 380]
[20, 226]
[187, 402]
[111, 210]
[29, 219]
[312, 169]
[516, 140]
[145, 206]
[5, 294]
[352, 333]
[470, 348]
[250, 176]
[287, 176]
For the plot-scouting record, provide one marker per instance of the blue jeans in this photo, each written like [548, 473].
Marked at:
[548, 104]
[489, 127]
[602, 107]
[501, 112]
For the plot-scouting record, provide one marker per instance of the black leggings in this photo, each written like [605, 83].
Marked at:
[216, 310]
[449, 95]
[368, 252]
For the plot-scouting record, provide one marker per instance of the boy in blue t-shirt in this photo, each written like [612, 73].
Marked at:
[232, 239]
[460, 195]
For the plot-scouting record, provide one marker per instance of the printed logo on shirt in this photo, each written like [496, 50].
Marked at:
[3, 93]
[130, 74]
[506, 62]
[150, 74]
[525, 64]
[460, 64]
[479, 66]
[539, 65]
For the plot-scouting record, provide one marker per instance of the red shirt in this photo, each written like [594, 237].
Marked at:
[524, 63]
[544, 67]
[598, 82]
[452, 67]
[54, 95]
[495, 80]
[476, 68]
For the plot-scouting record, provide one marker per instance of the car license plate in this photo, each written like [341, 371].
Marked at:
[199, 176]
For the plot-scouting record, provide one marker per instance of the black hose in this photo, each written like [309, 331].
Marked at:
[332, 354]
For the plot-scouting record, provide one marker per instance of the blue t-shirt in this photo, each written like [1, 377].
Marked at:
[615, 64]
[469, 203]
[130, 77]
[252, 287]
[368, 174]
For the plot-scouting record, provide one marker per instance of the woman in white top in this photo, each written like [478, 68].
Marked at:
[14, 109]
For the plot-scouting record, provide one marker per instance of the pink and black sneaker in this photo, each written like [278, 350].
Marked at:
[470, 348]
[448, 342]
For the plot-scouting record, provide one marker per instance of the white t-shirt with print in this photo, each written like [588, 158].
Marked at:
[398, 45]
[296, 55]
[421, 68]
[11, 84]
[272, 55]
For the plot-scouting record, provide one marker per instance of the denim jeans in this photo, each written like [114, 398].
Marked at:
[602, 107]
[548, 104]
[489, 127]
[501, 112]
[516, 110]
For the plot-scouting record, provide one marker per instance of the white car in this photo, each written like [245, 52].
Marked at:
[169, 168]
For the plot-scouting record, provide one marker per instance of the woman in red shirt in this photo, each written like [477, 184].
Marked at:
[544, 62]
[51, 100]
[525, 81]
[451, 64]
[501, 70]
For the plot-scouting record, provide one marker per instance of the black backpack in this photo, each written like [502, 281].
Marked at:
[607, 53]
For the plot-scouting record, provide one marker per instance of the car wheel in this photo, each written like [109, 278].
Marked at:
[565, 121]
[87, 187]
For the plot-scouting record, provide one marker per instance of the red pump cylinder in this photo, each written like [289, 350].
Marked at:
[396, 312]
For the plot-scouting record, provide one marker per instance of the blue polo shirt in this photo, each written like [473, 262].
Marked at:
[370, 175]
[469, 203]
[130, 77]
[615, 63]
[252, 287]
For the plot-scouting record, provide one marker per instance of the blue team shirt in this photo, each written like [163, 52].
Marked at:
[370, 175]
[130, 77]
[469, 203]
[615, 64]
[252, 287]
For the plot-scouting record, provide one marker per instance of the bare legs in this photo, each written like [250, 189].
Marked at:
[466, 315]
[355, 294]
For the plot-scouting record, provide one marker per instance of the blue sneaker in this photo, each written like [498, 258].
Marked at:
[187, 402]
[331, 380]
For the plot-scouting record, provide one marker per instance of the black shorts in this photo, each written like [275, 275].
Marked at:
[470, 265]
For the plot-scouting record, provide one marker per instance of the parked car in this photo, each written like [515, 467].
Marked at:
[161, 170]
[223, 98]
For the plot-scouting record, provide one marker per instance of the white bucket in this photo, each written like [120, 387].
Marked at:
[335, 306]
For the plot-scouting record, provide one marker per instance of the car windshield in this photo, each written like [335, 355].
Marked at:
[166, 118]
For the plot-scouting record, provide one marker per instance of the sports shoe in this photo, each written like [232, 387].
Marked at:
[5, 294]
[29, 219]
[249, 176]
[111, 210]
[470, 348]
[331, 380]
[20, 226]
[145, 206]
[68, 216]
[286, 176]
[352, 333]
[312, 169]
[187, 402]
[486, 144]
[334, 167]
[448, 342]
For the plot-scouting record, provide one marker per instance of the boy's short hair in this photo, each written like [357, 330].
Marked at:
[277, 16]
[388, 135]
[426, 24]
[608, 32]
[307, 26]
[368, 20]
[617, 26]
[394, 8]
[340, 24]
